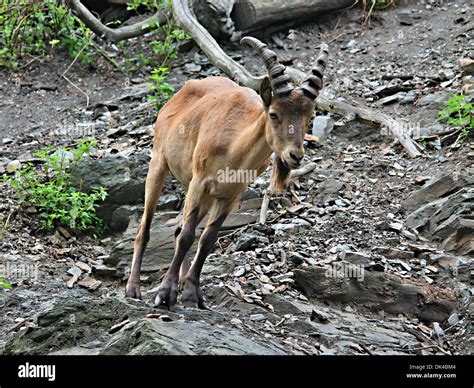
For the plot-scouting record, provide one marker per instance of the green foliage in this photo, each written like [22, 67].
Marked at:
[459, 113]
[35, 27]
[4, 284]
[149, 5]
[161, 91]
[166, 50]
[142, 59]
[52, 193]
[32, 27]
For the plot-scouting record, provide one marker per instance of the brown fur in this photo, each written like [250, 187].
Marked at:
[208, 126]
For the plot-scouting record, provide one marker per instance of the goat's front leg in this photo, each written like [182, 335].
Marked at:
[192, 294]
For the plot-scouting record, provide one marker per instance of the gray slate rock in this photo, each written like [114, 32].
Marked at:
[376, 292]
[68, 322]
[434, 100]
[154, 337]
[123, 177]
[327, 190]
[322, 126]
[437, 187]
[243, 243]
[447, 215]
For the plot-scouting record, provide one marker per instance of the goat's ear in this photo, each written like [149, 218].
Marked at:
[266, 91]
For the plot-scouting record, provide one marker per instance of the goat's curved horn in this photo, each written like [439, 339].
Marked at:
[280, 81]
[313, 83]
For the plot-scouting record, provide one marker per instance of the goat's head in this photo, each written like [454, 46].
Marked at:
[289, 109]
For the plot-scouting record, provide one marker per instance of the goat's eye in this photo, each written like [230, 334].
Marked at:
[273, 116]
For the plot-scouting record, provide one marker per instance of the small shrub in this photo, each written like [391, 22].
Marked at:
[51, 192]
[32, 27]
[166, 50]
[149, 5]
[161, 91]
[4, 284]
[460, 114]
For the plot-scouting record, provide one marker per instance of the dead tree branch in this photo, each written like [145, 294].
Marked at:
[185, 18]
[306, 169]
[375, 117]
[267, 196]
[122, 33]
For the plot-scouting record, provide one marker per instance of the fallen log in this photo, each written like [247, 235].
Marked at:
[219, 16]
[215, 15]
[253, 15]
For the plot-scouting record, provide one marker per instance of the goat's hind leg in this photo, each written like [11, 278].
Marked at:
[157, 174]
[194, 211]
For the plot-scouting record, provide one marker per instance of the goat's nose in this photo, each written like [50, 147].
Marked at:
[297, 156]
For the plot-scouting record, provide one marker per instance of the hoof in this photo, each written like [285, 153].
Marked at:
[167, 295]
[133, 291]
[192, 295]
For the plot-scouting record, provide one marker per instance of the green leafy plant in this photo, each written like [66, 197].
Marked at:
[166, 50]
[163, 49]
[161, 91]
[149, 5]
[32, 27]
[459, 113]
[4, 284]
[52, 193]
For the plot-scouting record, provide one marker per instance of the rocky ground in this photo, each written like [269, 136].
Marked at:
[369, 253]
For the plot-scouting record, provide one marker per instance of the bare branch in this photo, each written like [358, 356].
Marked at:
[72, 83]
[352, 112]
[267, 196]
[306, 169]
[375, 117]
[185, 18]
[122, 33]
